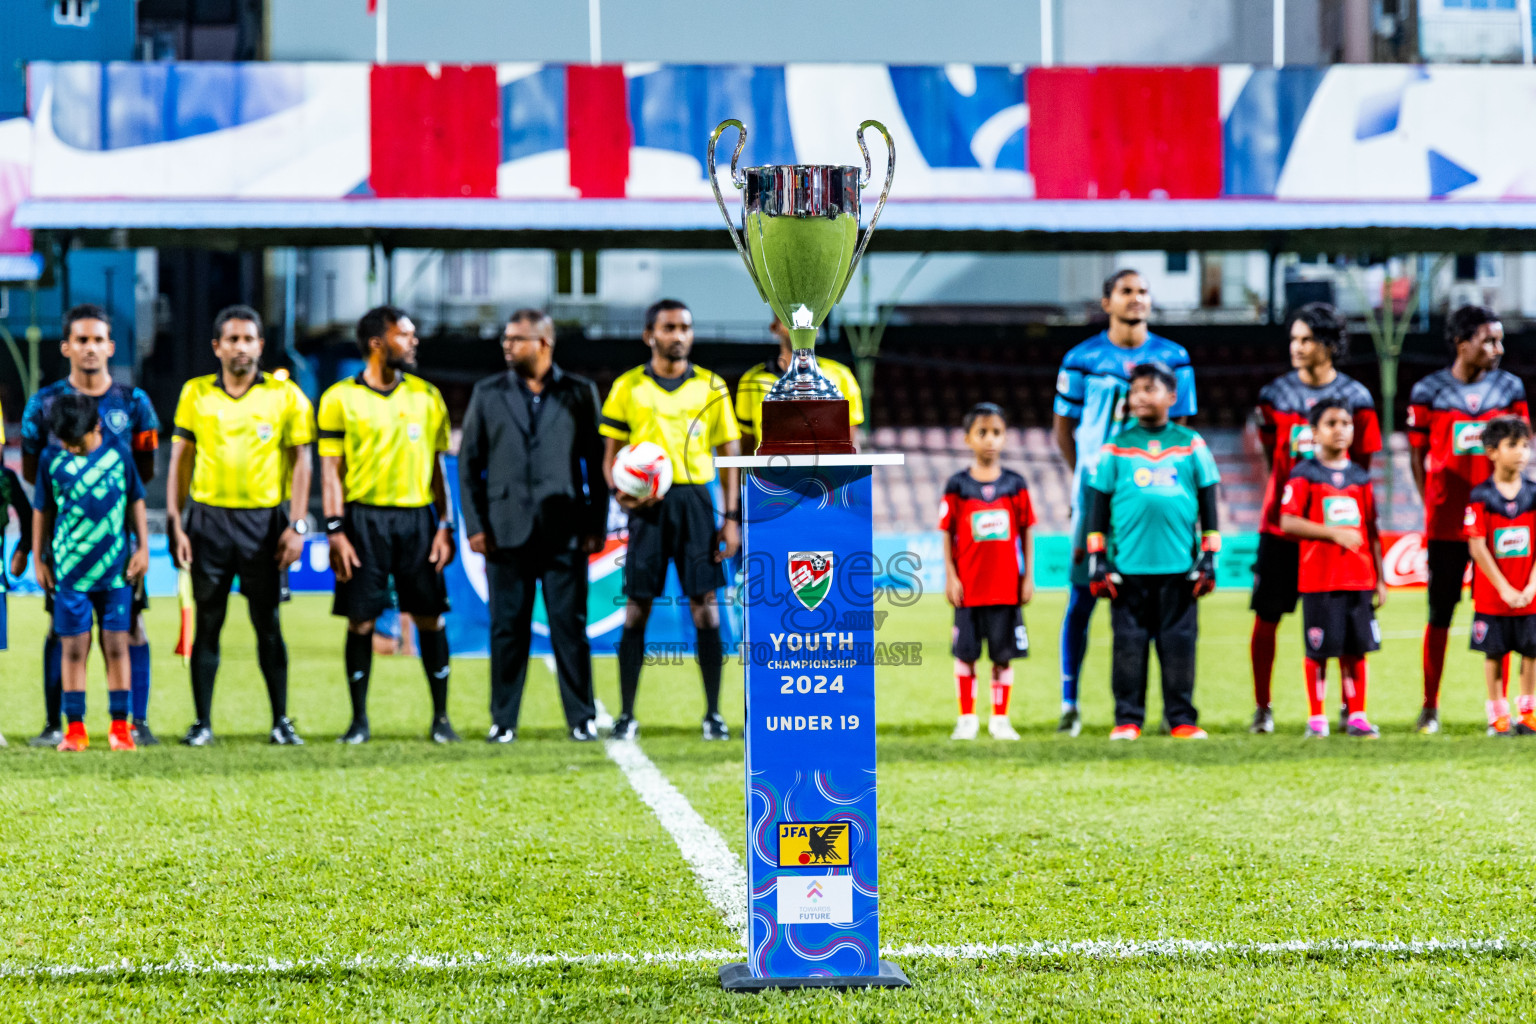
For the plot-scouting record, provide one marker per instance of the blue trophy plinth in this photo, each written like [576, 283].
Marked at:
[808, 650]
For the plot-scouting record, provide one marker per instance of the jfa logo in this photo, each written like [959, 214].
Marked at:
[1479, 630]
[1314, 637]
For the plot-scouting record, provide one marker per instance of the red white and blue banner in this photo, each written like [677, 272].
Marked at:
[549, 131]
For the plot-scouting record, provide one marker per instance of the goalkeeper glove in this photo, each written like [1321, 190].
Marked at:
[1103, 581]
[1203, 575]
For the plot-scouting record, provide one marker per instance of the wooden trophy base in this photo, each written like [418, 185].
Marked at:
[801, 426]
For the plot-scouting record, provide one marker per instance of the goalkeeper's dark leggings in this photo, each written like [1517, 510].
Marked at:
[1160, 609]
[271, 652]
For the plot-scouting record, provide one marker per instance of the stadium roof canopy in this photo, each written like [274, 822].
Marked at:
[914, 225]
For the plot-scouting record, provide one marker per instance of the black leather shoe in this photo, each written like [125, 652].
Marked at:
[624, 728]
[442, 731]
[283, 734]
[357, 732]
[586, 732]
[502, 734]
[199, 734]
[51, 736]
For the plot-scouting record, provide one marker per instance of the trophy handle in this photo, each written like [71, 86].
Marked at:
[885, 191]
[737, 179]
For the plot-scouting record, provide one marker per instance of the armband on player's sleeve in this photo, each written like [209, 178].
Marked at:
[1095, 543]
[1210, 540]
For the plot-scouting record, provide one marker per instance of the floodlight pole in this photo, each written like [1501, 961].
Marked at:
[1047, 32]
[1523, 7]
[1278, 56]
[381, 32]
[594, 32]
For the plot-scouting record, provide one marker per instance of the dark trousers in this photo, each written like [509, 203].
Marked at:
[1160, 609]
[512, 574]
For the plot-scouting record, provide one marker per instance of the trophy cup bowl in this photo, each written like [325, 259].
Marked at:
[800, 243]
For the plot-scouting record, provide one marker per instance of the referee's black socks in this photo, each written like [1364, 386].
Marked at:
[711, 663]
[359, 660]
[433, 645]
[631, 658]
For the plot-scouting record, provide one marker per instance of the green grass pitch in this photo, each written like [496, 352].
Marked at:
[346, 863]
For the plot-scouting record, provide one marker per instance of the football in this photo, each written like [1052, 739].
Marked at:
[642, 470]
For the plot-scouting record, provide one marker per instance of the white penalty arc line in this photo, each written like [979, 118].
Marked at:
[1097, 950]
[718, 869]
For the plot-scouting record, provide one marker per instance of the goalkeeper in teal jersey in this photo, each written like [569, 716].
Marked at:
[1152, 544]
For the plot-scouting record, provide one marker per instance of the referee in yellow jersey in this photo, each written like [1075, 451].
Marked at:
[687, 410]
[382, 438]
[756, 383]
[240, 450]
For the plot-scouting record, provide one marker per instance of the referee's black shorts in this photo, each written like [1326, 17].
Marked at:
[390, 543]
[231, 542]
[1276, 573]
[679, 529]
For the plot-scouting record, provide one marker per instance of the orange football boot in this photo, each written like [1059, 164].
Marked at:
[120, 737]
[75, 738]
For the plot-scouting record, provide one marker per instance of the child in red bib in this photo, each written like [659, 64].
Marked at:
[986, 519]
[1500, 521]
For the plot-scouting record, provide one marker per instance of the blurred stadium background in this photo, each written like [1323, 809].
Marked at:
[313, 157]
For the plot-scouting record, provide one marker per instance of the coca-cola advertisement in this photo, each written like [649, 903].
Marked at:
[1403, 559]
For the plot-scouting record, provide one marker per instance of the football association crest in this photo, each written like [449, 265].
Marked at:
[810, 576]
[1314, 637]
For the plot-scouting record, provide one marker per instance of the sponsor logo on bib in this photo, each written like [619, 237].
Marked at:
[1512, 542]
[1467, 437]
[1341, 510]
[991, 524]
[1301, 441]
[1155, 476]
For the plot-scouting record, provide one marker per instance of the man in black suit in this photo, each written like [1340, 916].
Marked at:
[535, 505]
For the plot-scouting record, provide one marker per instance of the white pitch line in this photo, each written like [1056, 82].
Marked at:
[1091, 949]
[718, 869]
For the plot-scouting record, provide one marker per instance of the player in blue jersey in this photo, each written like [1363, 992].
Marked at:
[129, 424]
[89, 504]
[1091, 408]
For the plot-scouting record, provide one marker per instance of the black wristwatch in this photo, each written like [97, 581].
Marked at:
[734, 515]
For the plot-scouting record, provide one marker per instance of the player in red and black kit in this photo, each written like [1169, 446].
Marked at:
[1501, 521]
[986, 519]
[1446, 414]
[1318, 341]
[1329, 507]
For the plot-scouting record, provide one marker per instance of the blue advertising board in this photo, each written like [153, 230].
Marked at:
[809, 657]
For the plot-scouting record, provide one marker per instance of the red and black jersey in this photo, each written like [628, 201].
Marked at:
[1446, 416]
[985, 523]
[1284, 405]
[1507, 524]
[1332, 496]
